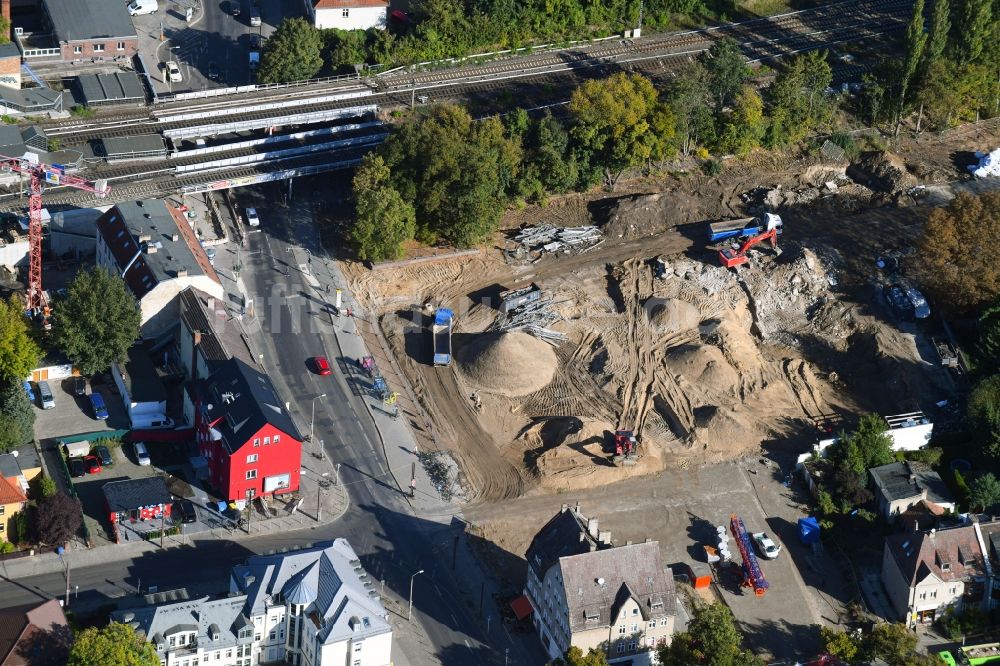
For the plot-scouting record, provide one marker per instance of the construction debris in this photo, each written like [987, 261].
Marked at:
[988, 165]
[546, 238]
[533, 317]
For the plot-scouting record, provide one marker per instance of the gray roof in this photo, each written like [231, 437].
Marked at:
[343, 602]
[10, 50]
[222, 335]
[74, 20]
[8, 466]
[27, 457]
[143, 384]
[106, 88]
[31, 99]
[141, 144]
[566, 534]
[76, 222]
[133, 493]
[598, 583]
[241, 400]
[906, 480]
[204, 616]
[11, 141]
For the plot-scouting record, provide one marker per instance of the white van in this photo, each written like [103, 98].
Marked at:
[140, 7]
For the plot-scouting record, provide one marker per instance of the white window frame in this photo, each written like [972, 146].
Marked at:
[98, 48]
[121, 46]
[345, 13]
[251, 474]
[252, 458]
[77, 50]
[276, 439]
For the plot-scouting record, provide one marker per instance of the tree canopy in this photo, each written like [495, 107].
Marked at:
[18, 352]
[868, 446]
[711, 638]
[984, 492]
[97, 321]
[17, 416]
[292, 53]
[727, 70]
[114, 645]
[983, 414]
[576, 657]
[59, 517]
[951, 263]
[384, 220]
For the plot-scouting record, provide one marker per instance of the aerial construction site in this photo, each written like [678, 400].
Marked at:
[612, 335]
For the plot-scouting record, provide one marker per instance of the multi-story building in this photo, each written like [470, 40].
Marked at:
[586, 593]
[154, 249]
[313, 607]
[901, 485]
[350, 14]
[12, 500]
[245, 433]
[90, 29]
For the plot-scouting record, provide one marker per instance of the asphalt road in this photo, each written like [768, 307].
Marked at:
[391, 541]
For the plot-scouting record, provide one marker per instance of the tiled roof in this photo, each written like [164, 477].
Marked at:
[19, 624]
[240, 401]
[134, 493]
[598, 583]
[565, 534]
[950, 554]
[10, 491]
[903, 480]
[221, 334]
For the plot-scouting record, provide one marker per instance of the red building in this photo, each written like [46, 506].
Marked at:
[244, 431]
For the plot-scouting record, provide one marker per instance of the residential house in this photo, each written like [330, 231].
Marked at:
[188, 631]
[21, 464]
[89, 30]
[900, 485]
[153, 247]
[588, 594]
[12, 500]
[137, 505]
[350, 14]
[927, 573]
[246, 434]
[313, 607]
[142, 391]
[209, 335]
[34, 634]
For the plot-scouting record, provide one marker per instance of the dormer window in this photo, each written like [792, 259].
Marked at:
[215, 637]
[657, 605]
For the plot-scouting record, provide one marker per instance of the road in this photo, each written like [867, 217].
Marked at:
[391, 541]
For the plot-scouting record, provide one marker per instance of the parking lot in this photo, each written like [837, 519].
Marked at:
[213, 39]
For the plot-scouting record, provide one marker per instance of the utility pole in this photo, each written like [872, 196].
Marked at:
[312, 418]
[409, 613]
[249, 508]
[162, 513]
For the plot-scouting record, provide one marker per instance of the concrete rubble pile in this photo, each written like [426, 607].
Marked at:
[546, 238]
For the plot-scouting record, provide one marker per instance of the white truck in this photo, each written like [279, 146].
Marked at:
[140, 7]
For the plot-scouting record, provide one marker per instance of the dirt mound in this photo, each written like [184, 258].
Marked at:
[644, 214]
[703, 366]
[882, 171]
[510, 364]
[672, 315]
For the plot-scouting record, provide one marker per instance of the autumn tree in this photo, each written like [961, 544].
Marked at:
[18, 352]
[983, 414]
[576, 657]
[744, 126]
[951, 262]
[59, 517]
[97, 321]
[384, 221]
[114, 645]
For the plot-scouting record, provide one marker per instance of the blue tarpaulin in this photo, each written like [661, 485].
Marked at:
[808, 530]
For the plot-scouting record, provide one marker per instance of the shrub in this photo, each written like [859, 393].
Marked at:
[712, 167]
[6, 547]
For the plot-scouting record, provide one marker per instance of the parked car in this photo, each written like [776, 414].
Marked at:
[45, 395]
[104, 454]
[183, 511]
[173, 72]
[140, 7]
[254, 17]
[907, 302]
[766, 545]
[252, 218]
[141, 453]
[214, 72]
[97, 403]
[399, 16]
[77, 468]
[234, 8]
[79, 386]
[322, 365]
[93, 464]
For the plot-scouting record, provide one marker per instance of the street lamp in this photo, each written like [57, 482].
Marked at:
[312, 419]
[409, 613]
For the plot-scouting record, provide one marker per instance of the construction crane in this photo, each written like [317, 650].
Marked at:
[52, 174]
[731, 258]
[753, 577]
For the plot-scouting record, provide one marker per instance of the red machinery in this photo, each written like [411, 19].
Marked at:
[626, 446]
[731, 258]
[753, 577]
[54, 174]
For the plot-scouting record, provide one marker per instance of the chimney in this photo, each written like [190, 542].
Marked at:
[578, 506]
[5, 9]
[182, 272]
[563, 509]
[604, 538]
[175, 237]
[592, 528]
[145, 238]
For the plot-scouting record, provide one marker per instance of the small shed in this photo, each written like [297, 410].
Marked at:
[77, 449]
[809, 530]
[137, 499]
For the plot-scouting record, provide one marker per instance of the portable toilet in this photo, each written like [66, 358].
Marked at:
[808, 530]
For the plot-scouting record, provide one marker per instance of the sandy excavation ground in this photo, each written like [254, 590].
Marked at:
[708, 364]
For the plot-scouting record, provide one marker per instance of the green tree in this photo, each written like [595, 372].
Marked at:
[46, 487]
[983, 413]
[384, 220]
[841, 644]
[937, 40]
[727, 70]
[59, 517]
[18, 352]
[868, 446]
[711, 638]
[915, 41]
[97, 307]
[894, 643]
[951, 264]
[612, 120]
[984, 492]
[114, 645]
[745, 125]
[972, 30]
[292, 53]
[576, 657]
[988, 342]
[345, 48]
[17, 416]
[687, 94]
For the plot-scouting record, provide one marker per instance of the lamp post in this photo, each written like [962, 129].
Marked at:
[409, 613]
[312, 419]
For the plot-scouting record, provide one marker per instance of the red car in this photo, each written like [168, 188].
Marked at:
[93, 464]
[322, 365]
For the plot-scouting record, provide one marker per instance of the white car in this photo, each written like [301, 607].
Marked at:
[173, 72]
[141, 454]
[766, 545]
[252, 218]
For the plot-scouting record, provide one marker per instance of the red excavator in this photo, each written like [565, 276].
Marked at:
[626, 447]
[731, 258]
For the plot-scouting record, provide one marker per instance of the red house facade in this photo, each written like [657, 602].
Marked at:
[245, 433]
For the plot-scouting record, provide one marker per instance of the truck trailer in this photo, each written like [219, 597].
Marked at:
[743, 227]
[441, 330]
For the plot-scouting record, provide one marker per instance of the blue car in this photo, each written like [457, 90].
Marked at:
[29, 391]
[97, 402]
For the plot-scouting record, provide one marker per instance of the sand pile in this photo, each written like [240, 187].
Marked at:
[669, 316]
[703, 366]
[511, 364]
